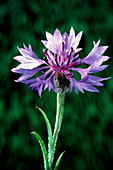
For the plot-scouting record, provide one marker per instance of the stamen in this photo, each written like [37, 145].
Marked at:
[71, 50]
[45, 59]
[45, 52]
[70, 75]
[63, 46]
[82, 64]
[46, 55]
[68, 60]
[56, 60]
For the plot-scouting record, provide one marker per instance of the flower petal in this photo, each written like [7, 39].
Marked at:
[71, 37]
[49, 36]
[27, 73]
[83, 72]
[65, 40]
[28, 59]
[95, 54]
[54, 43]
[73, 41]
[86, 83]
[96, 66]
[77, 40]
[50, 83]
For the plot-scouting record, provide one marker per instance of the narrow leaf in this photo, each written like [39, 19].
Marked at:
[58, 161]
[49, 131]
[44, 151]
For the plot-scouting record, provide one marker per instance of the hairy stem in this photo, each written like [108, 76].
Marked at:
[59, 116]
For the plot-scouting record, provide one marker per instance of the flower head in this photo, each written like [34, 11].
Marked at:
[60, 59]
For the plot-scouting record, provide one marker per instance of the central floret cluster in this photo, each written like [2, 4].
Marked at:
[60, 59]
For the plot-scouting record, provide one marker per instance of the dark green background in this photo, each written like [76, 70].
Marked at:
[87, 130]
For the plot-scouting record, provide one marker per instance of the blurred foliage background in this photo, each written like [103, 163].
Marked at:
[87, 129]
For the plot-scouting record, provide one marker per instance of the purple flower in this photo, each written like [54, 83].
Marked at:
[61, 58]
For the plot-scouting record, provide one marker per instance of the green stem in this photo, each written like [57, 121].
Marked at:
[59, 116]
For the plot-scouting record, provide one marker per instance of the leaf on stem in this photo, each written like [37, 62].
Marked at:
[44, 151]
[58, 161]
[49, 131]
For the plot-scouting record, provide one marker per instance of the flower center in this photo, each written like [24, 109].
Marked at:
[61, 82]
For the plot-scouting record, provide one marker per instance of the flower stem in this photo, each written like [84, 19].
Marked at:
[59, 116]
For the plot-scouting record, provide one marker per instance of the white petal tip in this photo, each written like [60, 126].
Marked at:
[13, 70]
[16, 81]
[81, 32]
